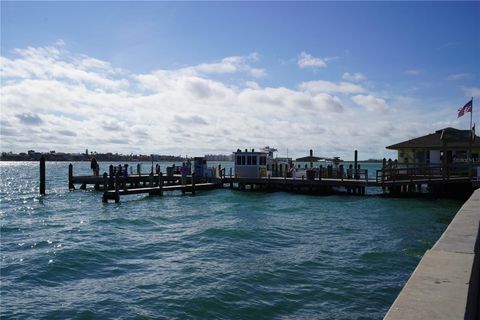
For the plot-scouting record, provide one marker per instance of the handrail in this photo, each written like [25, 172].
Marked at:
[407, 172]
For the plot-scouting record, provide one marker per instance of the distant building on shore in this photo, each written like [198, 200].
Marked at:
[444, 146]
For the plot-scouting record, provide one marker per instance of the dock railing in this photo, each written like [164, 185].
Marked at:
[396, 172]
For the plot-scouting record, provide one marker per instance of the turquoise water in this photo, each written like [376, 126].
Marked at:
[221, 254]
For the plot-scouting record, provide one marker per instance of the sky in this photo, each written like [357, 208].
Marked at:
[195, 78]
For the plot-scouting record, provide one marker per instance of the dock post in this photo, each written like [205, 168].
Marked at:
[355, 159]
[117, 194]
[71, 186]
[138, 169]
[231, 181]
[150, 178]
[42, 175]
[160, 183]
[105, 182]
[105, 187]
[193, 183]
[384, 166]
[110, 173]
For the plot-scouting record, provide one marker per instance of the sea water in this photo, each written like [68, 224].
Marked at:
[221, 254]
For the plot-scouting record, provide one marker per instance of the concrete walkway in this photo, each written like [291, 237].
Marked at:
[440, 285]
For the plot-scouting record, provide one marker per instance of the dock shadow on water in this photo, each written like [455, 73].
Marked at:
[219, 254]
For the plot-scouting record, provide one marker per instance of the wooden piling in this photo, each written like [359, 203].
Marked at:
[111, 180]
[355, 159]
[71, 186]
[105, 182]
[117, 194]
[160, 183]
[193, 183]
[42, 175]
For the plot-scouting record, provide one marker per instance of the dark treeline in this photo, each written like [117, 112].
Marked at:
[62, 156]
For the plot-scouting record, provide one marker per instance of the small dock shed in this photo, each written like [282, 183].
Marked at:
[250, 164]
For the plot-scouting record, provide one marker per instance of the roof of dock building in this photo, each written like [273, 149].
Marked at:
[448, 137]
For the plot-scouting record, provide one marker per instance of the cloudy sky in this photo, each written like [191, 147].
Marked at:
[196, 78]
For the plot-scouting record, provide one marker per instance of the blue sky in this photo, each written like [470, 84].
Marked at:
[333, 76]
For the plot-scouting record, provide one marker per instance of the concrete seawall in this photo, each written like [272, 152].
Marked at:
[445, 284]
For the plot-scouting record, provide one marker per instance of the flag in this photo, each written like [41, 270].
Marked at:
[466, 108]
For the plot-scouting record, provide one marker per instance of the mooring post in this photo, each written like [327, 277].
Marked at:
[105, 182]
[160, 179]
[117, 194]
[42, 175]
[71, 186]
[231, 181]
[355, 158]
[384, 166]
[150, 178]
[110, 181]
[138, 169]
[193, 183]
[105, 188]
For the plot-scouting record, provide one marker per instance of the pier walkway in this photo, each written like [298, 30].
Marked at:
[394, 181]
[446, 282]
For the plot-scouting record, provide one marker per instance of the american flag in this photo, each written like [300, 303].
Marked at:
[466, 108]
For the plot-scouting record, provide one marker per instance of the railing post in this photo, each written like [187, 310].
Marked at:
[150, 179]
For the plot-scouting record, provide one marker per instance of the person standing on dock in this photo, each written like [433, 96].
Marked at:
[183, 172]
[94, 166]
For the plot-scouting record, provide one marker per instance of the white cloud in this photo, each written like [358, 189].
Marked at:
[371, 103]
[53, 99]
[330, 87]
[471, 91]
[413, 72]
[228, 65]
[353, 77]
[306, 60]
[459, 76]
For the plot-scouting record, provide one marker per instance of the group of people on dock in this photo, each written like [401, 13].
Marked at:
[184, 170]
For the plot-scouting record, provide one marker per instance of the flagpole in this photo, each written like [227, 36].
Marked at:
[470, 164]
[471, 115]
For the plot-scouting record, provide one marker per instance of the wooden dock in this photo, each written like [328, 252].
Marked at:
[158, 191]
[394, 181]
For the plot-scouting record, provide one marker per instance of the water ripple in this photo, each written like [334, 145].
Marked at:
[219, 255]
